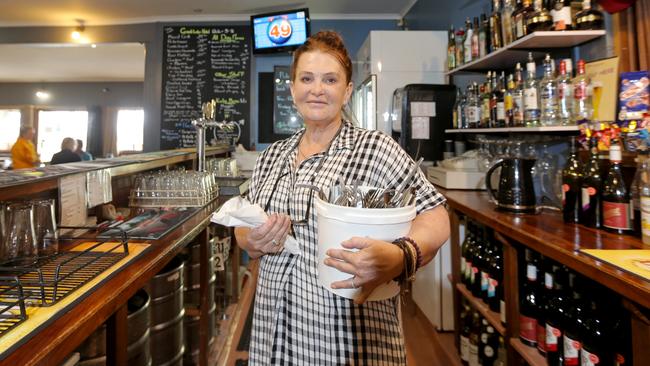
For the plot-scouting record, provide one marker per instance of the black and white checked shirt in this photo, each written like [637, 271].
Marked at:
[296, 321]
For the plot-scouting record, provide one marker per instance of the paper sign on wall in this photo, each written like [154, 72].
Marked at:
[604, 78]
[423, 109]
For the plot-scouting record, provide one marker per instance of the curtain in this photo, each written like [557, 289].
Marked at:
[109, 131]
[632, 36]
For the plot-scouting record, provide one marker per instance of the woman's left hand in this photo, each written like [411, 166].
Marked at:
[375, 263]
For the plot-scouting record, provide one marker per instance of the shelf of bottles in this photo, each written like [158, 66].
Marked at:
[492, 317]
[550, 129]
[506, 57]
[480, 343]
[566, 318]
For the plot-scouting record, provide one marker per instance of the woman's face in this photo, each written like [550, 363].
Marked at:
[320, 89]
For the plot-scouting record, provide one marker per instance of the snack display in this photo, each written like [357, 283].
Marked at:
[633, 97]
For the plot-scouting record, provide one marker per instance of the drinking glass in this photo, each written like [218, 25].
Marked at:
[550, 178]
[45, 228]
[3, 223]
[19, 246]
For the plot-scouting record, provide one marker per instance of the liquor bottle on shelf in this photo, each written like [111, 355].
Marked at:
[507, 31]
[496, 39]
[617, 210]
[460, 49]
[590, 213]
[467, 253]
[467, 41]
[462, 112]
[575, 317]
[478, 263]
[531, 95]
[561, 14]
[596, 335]
[484, 37]
[497, 104]
[565, 93]
[488, 252]
[644, 204]
[489, 345]
[540, 19]
[473, 106]
[475, 40]
[451, 49]
[622, 332]
[485, 101]
[519, 17]
[474, 339]
[571, 186]
[465, 330]
[635, 192]
[549, 95]
[518, 98]
[495, 285]
[589, 18]
[508, 102]
[528, 302]
[556, 306]
[582, 107]
[455, 116]
[545, 286]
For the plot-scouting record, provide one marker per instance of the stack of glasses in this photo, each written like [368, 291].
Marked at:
[174, 189]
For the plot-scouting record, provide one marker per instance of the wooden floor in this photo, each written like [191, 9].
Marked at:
[424, 346]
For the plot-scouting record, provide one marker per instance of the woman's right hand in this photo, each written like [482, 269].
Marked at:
[268, 237]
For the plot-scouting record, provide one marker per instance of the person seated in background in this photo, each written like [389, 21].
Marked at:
[23, 153]
[84, 155]
[67, 154]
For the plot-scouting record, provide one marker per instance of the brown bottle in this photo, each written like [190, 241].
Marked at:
[519, 16]
[617, 208]
[589, 18]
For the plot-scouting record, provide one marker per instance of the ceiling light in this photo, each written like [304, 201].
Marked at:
[43, 95]
[93, 45]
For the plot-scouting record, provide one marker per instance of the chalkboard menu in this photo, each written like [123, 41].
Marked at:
[286, 119]
[201, 63]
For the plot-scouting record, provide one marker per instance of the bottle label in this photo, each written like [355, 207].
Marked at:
[587, 193]
[548, 280]
[580, 91]
[617, 215]
[541, 338]
[501, 111]
[484, 281]
[571, 351]
[531, 272]
[473, 355]
[519, 26]
[530, 98]
[488, 351]
[564, 91]
[620, 360]
[462, 267]
[645, 216]
[561, 18]
[468, 270]
[552, 336]
[549, 96]
[473, 114]
[492, 287]
[588, 359]
[528, 329]
[502, 311]
[484, 338]
[518, 107]
[464, 348]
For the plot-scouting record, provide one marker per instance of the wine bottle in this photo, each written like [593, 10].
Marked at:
[545, 287]
[465, 330]
[495, 269]
[528, 302]
[635, 189]
[571, 186]
[464, 253]
[596, 336]
[489, 344]
[622, 332]
[478, 263]
[617, 210]
[591, 190]
[485, 268]
[474, 339]
[575, 317]
[556, 318]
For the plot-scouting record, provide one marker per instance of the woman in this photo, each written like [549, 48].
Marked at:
[296, 321]
[67, 154]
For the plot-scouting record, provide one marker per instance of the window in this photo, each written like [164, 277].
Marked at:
[10, 127]
[54, 126]
[130, 130]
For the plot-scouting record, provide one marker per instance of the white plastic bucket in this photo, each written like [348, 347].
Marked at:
[338, 223]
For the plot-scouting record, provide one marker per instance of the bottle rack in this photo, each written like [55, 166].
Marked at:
[517, 51]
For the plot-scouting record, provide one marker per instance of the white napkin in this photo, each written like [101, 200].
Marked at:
[239, 212]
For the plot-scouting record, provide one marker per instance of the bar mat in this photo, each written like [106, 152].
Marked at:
[245, 339]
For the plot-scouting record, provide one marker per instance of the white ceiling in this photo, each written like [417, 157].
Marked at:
[102, 12]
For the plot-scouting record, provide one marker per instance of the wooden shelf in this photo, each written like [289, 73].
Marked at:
[492, 317]
[515, 129]
[517, 51]
[528, 353]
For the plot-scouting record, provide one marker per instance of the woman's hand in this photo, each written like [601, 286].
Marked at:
[376, 263]
[268, 237]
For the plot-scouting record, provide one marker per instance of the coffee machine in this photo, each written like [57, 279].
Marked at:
[420, 113]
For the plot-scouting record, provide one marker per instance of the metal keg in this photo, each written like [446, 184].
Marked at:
[166, 289]
[193, 337]
[193, 274]
[93, 350]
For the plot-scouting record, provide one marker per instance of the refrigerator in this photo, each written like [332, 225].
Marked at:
[419, 115]
[388, 60]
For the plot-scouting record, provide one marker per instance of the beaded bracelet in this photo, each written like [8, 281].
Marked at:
[412, 259]
[417, 250]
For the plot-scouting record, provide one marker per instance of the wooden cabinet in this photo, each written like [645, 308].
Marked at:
[547, 234]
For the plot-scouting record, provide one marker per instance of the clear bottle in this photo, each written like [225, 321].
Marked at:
[549, 95]
[455, 119]
[462, 112]
[582, 107]
[467, 41]
[561, 13]
[451, 49]
[496, 38]
[564, 94]
[507, 31]
[589, 18]
[540, 19]
[531, 95]
[518, 98]
[483, 40]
